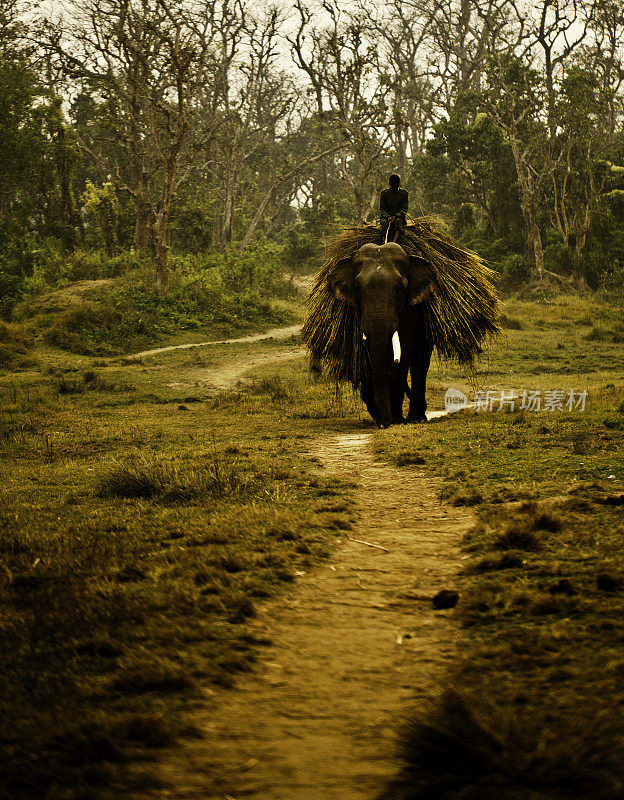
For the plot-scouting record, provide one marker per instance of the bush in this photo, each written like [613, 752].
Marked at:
[257, 269]
[514, 270]
[558, 258]
[205, 291]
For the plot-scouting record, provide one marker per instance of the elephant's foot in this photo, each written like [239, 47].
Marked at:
[416, 419]
[394, 421]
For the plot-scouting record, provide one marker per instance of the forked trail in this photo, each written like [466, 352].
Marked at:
[355, 646]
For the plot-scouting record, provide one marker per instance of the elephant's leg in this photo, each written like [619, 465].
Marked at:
[366, 393]
[418, 372]
[419, 366]
[397, 394]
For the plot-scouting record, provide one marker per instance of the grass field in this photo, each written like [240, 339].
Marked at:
[534, 706]
[144, 517]
[139, 529]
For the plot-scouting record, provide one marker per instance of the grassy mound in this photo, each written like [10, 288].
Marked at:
[461, 313]
[13, 346]
[112, 317]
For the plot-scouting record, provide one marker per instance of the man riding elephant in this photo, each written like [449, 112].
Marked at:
[377, 309]
[393, 204]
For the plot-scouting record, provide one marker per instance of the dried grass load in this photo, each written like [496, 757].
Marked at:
[460, 314]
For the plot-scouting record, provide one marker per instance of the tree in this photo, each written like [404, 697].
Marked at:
[38, 152]
[580, 178]
[340, 65]
[143, 61]
[476, 165]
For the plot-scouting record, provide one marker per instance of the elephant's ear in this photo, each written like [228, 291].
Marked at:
[342, 281]
[420, 280]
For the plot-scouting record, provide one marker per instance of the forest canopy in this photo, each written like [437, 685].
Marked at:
[153, 131]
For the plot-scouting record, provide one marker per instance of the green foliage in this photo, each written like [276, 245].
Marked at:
[468, 173]
[558, 258]
[39, 156]
[615, 202]
[514, 271]
[101, 206]
[220, 292]
[305, 239]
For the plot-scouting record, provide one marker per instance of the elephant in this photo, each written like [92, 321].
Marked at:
[387, 288]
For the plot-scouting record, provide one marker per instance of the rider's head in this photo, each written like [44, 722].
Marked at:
[394, 181]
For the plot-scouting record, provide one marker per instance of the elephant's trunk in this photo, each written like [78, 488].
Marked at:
[381, 360]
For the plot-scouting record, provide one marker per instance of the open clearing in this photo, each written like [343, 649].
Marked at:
[167, 533]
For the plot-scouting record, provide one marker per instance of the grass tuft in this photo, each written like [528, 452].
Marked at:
[517, 536]
[150, 479]
[408, 458]
[511, 559]
[466, 747]
[608, 581]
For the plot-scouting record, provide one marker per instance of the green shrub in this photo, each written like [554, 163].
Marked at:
[558, 258]
[131, 313]
[514, 270]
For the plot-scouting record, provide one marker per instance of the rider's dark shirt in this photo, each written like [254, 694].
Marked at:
[393, 203]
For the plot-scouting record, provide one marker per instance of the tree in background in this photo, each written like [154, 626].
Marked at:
[215, 125]
[144, 63]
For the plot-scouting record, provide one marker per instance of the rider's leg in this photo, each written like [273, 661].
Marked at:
[397, 227]
[384, 227]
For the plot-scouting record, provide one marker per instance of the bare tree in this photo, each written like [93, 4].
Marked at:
[562, 26]
[144, 61]
[257, 99]
[339, 63]
[403, 64]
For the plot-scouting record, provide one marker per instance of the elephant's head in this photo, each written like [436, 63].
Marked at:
[383, 282]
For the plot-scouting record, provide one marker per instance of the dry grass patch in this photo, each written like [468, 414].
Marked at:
[469, 747]
[460, 315]
[542, 600]
[136, 542]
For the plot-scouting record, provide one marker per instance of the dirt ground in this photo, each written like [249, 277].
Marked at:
[354, 647]
[274, 333]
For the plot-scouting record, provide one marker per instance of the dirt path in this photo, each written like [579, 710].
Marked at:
[355, 645]
[274, 333]
[227, 376]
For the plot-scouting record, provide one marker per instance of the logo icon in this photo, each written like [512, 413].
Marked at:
[454, 400]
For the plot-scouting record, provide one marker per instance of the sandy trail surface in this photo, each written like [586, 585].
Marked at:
[274, 333]
[229, 374]
[356, 645]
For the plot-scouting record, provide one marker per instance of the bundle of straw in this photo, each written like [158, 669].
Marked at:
[460, 314]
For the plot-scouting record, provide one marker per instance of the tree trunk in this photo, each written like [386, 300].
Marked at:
[259, 215]
[534, 236]
[581, 238]
[143, 227]
[231, 185]
[160, 252]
